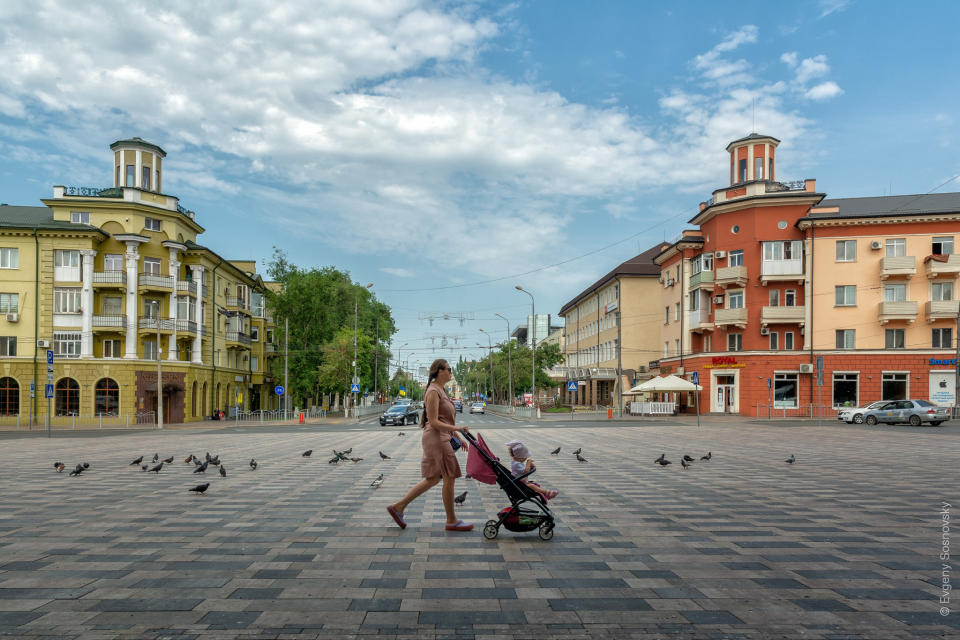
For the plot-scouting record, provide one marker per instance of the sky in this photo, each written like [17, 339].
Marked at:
[447, 151]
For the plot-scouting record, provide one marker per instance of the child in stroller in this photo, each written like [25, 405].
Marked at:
[522, 463]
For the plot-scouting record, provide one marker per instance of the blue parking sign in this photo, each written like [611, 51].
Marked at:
[49, 356]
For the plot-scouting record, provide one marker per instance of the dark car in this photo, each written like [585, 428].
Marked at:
[400, 414]
[458, 405]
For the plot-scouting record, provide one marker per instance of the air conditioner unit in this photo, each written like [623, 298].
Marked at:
[802, 330]
[876, 244]
[679, 371]
[718, 300]
[43, 344]
[806, 368]
[720, 254]
[660, 279]
[13, 317]
[764, 331]
[670, 282]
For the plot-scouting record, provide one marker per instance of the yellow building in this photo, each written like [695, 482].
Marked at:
[110, 279]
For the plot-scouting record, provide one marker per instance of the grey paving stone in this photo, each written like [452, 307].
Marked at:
[229, 619]
[821, 604]
[779, 583]
[145, 604]
[883, 594]
[448, 619]
[599, 604]
[468, 593]
[255, 593]
[711, 617]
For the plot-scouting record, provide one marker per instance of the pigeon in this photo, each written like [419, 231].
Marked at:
[708, 456]
[580, 458]
[86, 465]
[208, 456]
[306, 454]
[168, 460]
[684, 463]
[216, 461]
[253, 464]
[555, 451]
[59, 466]
[791, 459]
[687, 458]
[401, 434]
[196, 461]
[189, 458]
[663, 462]
[156, 457]
[348, 451]
[137, 461]
[341, 455]
[356, 460]
[157, 468]
[223, 472]
[144, 467]
[202, 468]
[383, 456]
[377, 481]
[578, 451]
[77, 470]
[333, 460]
[200, 488]
[460, 498]
[662, 457]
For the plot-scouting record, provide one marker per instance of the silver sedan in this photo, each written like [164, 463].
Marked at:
[916, 412]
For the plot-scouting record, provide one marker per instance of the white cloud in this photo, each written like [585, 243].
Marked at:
[716, 68]
[400, 272]
[810, 68]
[832, 6]
[789, 59]
[824, 91]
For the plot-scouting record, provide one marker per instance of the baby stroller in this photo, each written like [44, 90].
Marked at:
[519, 516]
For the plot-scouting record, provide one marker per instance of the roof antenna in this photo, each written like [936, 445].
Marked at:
[754, 115]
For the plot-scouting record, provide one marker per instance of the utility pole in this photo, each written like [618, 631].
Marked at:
[159, 372]
[286, 365]
[533, 347]
[509, 368]
[376, 360]
[619, 365]
[490, 357]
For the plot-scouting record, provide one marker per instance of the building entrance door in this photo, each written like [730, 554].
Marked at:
[726, 394]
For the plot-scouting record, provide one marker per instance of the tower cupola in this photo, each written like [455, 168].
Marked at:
[752, 158]
[138, 164]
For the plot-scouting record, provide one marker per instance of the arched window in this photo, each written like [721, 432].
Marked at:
[9, 397]
[193, 400]
[203, 400]
[67, 397]
[107, 397]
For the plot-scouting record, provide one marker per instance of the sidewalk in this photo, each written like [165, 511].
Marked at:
[204, 425]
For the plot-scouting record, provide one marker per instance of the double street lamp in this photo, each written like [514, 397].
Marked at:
[489, 357]
[509, 371]
[533, 346]
[356, 307]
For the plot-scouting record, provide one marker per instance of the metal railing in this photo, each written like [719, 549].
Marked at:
[109, 277]
[187, 286]
[155, 280]
[237, 336]
[238, 302]
[94, 192]
[186, 326]
[110, 321]
[149, 322]
[827, 412]
[21, 422]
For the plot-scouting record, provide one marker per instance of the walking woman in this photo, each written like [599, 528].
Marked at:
[439, 460]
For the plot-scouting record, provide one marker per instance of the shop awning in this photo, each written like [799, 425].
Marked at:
[665, 384]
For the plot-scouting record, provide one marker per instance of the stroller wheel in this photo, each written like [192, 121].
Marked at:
[546, 531]
[490, 530]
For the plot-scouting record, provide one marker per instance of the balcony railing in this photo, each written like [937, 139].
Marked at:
[898, 311]
[149, 323]
[235, 302]
[699, 320]
[936, 268]
[155, 281]
[730, 316]
[187, 286]
[704, 279]
[94, 192]
[783, 315]
[727, 276]
[898, 266]
[117, 322]
[237, 336]
[781, 269]
[186, 326]
[110, 277]
[270, 347]
[790, 185]
[941, 310]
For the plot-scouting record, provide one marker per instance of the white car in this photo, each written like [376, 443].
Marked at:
[477, 407]
[854, 415]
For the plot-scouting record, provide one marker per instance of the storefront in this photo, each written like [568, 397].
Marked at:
[943, 382]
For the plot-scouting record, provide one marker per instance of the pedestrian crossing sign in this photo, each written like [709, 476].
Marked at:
[354, 388]
[572, 385]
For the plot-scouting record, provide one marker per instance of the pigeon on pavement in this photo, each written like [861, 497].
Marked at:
[791, 459]
[306, 454]
[156, 457]
[168, 460]
[662, 457]
[137, 461]
[708, 456]
[333, 460]
[377, 481]
[77, 470]
[215, 460]
[202, 468]
[157, 468]
[687, 458]
[200, 488]
[196, 461]
[383, 456]
[555, 451]
[460, 498]
[663, 462]
[189, 459]
[684, 463]
[223, 472]
[144, 466]
[253, 464]
[580, 458]
[578, 451]
[356, 460]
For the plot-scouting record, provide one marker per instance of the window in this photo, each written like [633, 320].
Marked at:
[9, 302]
[695, 301]
[9, 258]
[151, 266]
[66, 258]
[943, 245]
[186, 308]
[942, 338]
[734, 342]
[67, 397]
[112, 306]
[149, 349]
[270, 336]
[66, 344]
[113, 262]
[845, 295]
[676, 346]
[145, 178]
[666, 349]
[895, 339]
[735, 300]
[845, 387]
[111, 349]
[66, 300]
[788, 340]
[707, 343]
[781, 250]
[131, 175]
[743, 171]
[941, 291]
[894, 386]
[106, 398]
[774, 297]
[255, 333]
[8, 345]
[696, 265]
[790, 298]
[784, 390]
[846, 250]
[9, 397]
[736, 258]
[758, 168]
[666, 315]
[895, 293]
[254, 363]
[151, 308]
[80, 217]
[151, 224]
[846, 338]
[676, 312]
[896, 247]
[774, 341]
[770, 174]
[708, 262]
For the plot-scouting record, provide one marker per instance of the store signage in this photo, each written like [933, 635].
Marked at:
[951, 362]
[724, 360]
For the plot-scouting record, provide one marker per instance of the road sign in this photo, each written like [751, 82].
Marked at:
[33, 390]
[48, 392]
[49, 356]
[49, 377]
[695, 377]
[354, 388]
[278, 390]
[819, 363]
[572, 385]
[769, 383]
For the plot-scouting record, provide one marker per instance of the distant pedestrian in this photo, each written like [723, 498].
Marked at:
[439, 459]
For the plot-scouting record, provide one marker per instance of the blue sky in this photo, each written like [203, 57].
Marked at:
[427, 146]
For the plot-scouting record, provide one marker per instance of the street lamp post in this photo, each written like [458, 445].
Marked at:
[509, 371]
[356, 307]
[533, 346]
[490, 357]
[159, 375]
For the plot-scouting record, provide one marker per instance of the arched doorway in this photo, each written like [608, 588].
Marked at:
[107, 397]
[217, 400]
[203, 400]
[9, 397]
[66, 397]
[193, 399]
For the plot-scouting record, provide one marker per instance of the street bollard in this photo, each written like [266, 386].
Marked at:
[609, 414]
[301, 417]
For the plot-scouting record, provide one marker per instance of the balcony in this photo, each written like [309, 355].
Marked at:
[703, 280]
[891, 267]
[149, 323]
[781, 271]
[108, 279]
[109, 323]
[948, 269]
[737, 317]
[732, 276]
[783, 315]
[270, 347]
[186, 326]
[187, 286]
[235, 303]
[155, 281]
[941, 310]
[237, 338]
[890, 311]
[699, 320]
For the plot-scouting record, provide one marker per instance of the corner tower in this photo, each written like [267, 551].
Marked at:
[138, 164]
[752, 158]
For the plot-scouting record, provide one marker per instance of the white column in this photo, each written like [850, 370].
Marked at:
[86, 303]
[197, 355]
[137, 172]
[174, 273]
[133, 262]
[750, 174]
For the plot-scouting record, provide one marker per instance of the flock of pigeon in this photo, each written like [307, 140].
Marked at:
[687, 461]
[576, 453]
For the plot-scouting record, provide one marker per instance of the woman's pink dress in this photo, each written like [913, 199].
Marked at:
[439, 458]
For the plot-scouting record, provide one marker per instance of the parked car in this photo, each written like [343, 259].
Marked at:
[477, 407]
[916, 412]
[458, 405]
[852, 415]
[400, 414]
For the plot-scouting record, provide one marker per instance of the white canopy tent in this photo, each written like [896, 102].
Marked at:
[665, 384]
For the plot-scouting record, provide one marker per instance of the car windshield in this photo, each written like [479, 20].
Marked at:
[877, 405]
[397, 409]
[478, 404]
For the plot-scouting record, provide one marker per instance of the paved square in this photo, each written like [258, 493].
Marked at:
[842, 544]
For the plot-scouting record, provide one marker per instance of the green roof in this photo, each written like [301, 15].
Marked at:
[15, 217]
[139, 142]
